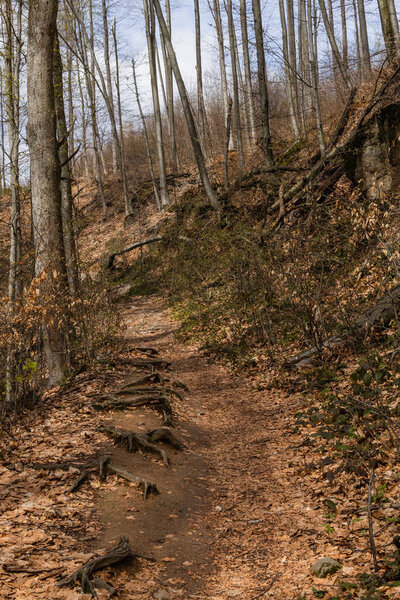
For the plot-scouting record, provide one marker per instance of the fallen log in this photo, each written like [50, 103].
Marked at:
[377, 317]
[83, 575]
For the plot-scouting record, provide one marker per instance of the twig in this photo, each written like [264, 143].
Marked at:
[266, 589]
[370, 523]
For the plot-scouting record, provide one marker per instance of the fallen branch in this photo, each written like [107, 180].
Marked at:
[370, 523]
[111, 257]
[379, 316]
[83, 575]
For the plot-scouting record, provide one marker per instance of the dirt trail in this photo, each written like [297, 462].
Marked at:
[232, 518]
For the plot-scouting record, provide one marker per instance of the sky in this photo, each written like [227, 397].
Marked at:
[132, 41]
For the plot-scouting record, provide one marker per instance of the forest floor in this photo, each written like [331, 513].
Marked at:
[233, 517]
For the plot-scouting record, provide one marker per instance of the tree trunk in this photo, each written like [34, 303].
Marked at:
[151, 45]
[45, 175]
[389, 35]
[262, 84]
[198, 153]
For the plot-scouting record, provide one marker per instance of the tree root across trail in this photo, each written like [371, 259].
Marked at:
[102, 467]
[134, 441]
[83, 575]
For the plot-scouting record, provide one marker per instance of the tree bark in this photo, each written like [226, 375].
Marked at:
[45, 174]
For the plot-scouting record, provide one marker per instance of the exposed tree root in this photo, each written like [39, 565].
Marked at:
[157, 401]
[102, 466]
[83, 575]
[146, 486]
[134, 441]
[144, 350]
[155, 377]
[129, 391]
[82, 477]
[165, 435]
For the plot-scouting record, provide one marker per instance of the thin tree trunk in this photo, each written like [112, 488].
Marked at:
[334, 46]
[249, 104]
[71, 117]
[199, 72]
[345, 45]
[288, 76]
[235, 84]
[114, 142]
[146, 138]
[357, 36]
[198, 153]
[66, 188]
[312, 31]
[222, 63]
[45, 176]
[292, 56]
[170, 94]
[12, 62]
[228, 135]
[91, 90]
[151, 45]
[83, 122]
[128, 208]
[262, 84]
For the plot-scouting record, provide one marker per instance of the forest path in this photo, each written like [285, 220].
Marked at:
[231, 517]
